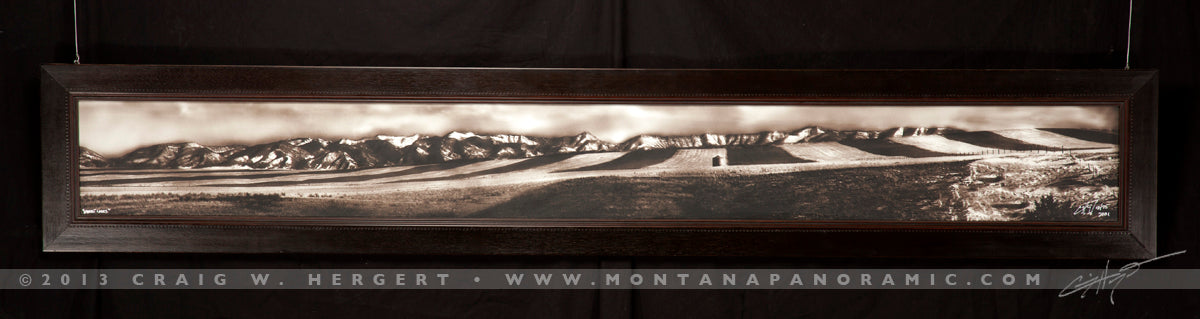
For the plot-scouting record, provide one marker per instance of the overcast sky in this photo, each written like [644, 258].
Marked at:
[114, 128]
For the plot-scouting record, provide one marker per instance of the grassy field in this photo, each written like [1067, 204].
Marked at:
[415, 204]
[758, 155]
[834, 194]
[1042, 187]
[912, 194]
[1036, 187]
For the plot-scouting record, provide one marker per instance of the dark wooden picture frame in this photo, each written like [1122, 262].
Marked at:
[1132, 235]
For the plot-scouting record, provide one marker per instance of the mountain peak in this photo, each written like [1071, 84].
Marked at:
[642, 142]
[399, 141]
[89, 158]
[305, 140]
[811, 130]
[586, 136]
[388, 137]
[916, 131]
[456, 135]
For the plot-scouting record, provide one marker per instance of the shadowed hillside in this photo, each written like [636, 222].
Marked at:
[515, 167]
[633, 160]
[889, 148]
[756, 155]
[993, 140]
[1086, 135]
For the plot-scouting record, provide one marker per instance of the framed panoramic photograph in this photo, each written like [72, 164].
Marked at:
[452, 161]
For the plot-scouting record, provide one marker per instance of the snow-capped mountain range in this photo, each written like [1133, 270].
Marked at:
[384, 150]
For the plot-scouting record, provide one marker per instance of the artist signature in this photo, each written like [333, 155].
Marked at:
[95, 211]
[1091, 208]
[1081, 285]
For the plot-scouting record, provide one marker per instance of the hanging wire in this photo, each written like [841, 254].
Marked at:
[75, 18]
[1129, 35]
[1128, 31]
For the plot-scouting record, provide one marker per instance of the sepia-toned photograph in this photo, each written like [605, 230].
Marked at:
[1026, 163]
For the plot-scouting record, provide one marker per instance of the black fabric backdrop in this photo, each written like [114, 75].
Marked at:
[600, 33]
